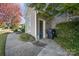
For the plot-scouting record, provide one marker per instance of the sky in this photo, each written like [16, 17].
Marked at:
[22, 7]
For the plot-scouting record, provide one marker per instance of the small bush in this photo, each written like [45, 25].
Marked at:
[26, 37]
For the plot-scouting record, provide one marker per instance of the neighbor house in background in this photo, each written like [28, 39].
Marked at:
[37, 26]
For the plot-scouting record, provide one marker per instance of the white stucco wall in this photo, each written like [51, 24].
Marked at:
[31, 22]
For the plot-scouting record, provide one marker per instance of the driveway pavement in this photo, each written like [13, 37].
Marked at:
[52, 49]
[15, 47]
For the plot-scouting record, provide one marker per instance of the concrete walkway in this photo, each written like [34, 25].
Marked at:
[15, 47]
[52, 49]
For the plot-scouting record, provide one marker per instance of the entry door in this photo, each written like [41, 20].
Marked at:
[40, 29]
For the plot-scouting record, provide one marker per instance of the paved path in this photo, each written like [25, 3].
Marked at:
[52, 49]
[15, 47]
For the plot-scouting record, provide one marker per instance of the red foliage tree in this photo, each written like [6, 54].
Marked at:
[10, 13]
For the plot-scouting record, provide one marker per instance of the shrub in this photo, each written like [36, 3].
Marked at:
[26, 37]
[68, 36]
[23, 28]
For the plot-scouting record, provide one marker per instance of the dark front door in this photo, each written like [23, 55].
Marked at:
[41, 29]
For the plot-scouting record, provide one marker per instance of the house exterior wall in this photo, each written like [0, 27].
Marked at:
[31, 22]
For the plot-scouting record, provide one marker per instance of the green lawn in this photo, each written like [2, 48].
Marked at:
[68, 36]
[2, 44]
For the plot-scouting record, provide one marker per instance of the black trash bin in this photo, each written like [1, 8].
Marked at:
[51, 33]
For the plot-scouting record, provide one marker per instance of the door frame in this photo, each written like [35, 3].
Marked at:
[44, 27]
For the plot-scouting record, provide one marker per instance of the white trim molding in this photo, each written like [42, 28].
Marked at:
[36, 26]
[44, 28]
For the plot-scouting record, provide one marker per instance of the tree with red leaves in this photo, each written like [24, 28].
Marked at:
[10, 13]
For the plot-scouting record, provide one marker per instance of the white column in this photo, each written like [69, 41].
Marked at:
[36, 25]
[44, 31]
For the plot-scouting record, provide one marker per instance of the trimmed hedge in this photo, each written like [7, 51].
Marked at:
[26, 37]
[68, 36]
[2, 43]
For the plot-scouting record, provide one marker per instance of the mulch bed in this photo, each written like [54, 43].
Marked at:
[38, 43]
